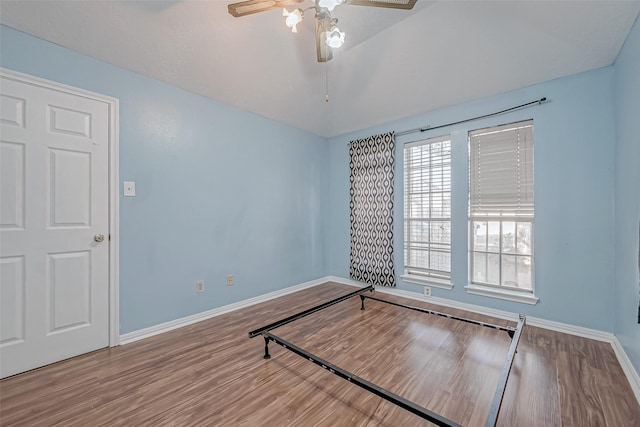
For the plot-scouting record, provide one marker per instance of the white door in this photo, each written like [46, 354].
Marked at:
[54, 206]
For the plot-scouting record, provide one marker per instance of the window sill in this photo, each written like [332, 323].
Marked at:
[502, 294]
[424, 281]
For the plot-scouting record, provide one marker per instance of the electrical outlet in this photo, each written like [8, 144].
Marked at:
[129, 188]
[230, 280]
[427, 291]
[200, 285]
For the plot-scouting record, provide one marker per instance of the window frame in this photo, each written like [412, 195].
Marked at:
[500, 252]
[416, 274]
[499, 290]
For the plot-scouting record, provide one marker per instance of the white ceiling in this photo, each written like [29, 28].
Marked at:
[394, 63]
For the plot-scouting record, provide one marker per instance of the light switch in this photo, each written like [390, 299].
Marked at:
[129, 188]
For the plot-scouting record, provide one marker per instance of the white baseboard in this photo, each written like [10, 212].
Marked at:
[500, 314]
[594, 334]
[178, 323]
[623, 359]
[565, 328]
[433, 300]
[627, 367]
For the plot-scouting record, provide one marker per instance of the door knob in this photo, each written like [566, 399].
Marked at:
[98, 237]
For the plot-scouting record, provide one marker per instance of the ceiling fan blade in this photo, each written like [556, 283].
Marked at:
[323, 50]
[391, 4]
[244, 8]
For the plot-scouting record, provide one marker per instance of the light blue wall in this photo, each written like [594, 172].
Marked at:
[627, 187]
[574, 180]
[222, 191]
[219, 191]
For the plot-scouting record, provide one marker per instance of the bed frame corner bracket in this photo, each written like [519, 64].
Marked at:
[523, 318]
[266, 348]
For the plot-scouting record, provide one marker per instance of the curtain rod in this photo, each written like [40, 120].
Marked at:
[424, 129]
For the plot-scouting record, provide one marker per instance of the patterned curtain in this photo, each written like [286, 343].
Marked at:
[371, 163]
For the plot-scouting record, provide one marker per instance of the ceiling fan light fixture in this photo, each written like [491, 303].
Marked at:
[327, 36]
[292, 18]
[335, 38]
[330, 4]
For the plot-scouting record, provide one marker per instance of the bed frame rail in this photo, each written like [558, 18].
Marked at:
[508, 329]
[424, 413]
[307, 312]
[412, 407]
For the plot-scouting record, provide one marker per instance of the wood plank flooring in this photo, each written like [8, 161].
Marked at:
[211, 374]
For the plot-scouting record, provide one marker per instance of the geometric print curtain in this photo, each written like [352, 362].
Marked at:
[371, 163]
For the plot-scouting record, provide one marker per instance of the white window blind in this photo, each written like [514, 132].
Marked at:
[501, 206]
[501, 170]
[427, 169]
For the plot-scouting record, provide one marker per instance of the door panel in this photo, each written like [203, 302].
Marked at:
[69, 122]
[12, 295]
[12, 110]
[54, 148]
[70, 189]
[69, 287]
[12, 181]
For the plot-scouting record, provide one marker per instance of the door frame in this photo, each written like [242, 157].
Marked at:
[114, 209]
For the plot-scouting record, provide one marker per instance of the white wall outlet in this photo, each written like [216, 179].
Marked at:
[200, 285]
[427, 291]
[230, 280]
[129, 188]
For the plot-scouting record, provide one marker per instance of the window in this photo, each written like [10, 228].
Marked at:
[427, 184]
[501, 211]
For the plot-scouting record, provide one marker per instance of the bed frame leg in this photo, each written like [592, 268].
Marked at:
[266, 349]
[362, 302]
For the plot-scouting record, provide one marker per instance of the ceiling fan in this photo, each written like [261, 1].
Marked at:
[328, 36]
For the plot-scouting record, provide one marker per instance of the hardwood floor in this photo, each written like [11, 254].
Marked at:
[211, 374]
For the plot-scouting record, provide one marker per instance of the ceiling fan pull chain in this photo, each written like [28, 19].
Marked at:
[326, 81]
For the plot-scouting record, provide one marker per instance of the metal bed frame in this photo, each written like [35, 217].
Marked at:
[412, 407]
